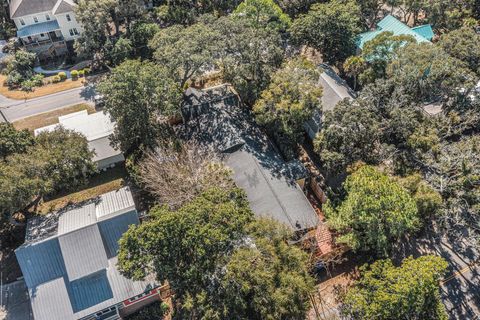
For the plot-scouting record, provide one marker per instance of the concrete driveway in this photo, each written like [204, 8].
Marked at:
[13, 110]
[16, 302]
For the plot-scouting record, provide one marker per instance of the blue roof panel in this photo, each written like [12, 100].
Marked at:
[112, 230]
[37, 28]
[41, 262]
[89, 291]
[425, 31]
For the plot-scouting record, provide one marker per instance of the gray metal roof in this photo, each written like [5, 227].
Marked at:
[224, 126]
[37, 28]
[73, 273]
[77, 218]
[51, 301]
[103, 149]
[114, 203]
[83, 252]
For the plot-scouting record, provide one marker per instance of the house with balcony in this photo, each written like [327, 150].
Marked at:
[46, 27]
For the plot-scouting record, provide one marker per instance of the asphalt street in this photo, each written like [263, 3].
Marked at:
[13, 110]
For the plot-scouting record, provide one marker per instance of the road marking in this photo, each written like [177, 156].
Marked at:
[460, 272]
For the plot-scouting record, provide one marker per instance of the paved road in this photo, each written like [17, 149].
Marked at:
[14, 110]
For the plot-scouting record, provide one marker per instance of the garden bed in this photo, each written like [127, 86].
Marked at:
[40, 91]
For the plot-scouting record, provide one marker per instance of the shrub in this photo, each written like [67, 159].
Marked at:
[81, 73]
[14, 79]
[74, 74]
[86, 70]
[62, 75]
[56, 79]
[37, 80]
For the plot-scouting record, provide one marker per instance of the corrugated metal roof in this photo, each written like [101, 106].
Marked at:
[37, 28]
[113, 229]
[90, 291]
[103, 149]
[74, 274]
[92, 126]
[391, 24]
[41, 262]
[50, 301]
[77, 218]
[83, 252]
[425, 31]
[115, 202]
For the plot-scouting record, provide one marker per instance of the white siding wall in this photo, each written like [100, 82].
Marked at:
[30, 19]
[66, 25]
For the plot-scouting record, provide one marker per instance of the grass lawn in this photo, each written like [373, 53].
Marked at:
[51, 117]
[101, 183]
[41, 91]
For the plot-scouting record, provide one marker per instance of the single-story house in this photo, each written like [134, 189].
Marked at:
[335, 89]
[215, 119]
[97, 128]
[422, 33]
[69, 262]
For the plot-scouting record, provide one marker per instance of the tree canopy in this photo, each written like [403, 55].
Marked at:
[263, 14]
[13, 141]
[291, 98]
[410, 291]
[140, 97]
[375, 213]
[331, 28]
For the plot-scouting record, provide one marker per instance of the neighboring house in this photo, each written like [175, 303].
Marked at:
[69, 262]
[46, 27]
[215, 119]
[97, 128]
[335, 89]
[422, 33]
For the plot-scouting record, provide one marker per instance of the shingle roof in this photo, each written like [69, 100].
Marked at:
[335, 89]
[392, 24]
[63, 6]
[225, 127]
[73, 274]
[20, 8]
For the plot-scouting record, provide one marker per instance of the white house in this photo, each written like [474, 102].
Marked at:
[97, 129]
[47, 27]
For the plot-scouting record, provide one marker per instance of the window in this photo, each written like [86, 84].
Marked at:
[42, 35]
[35, 19]
[71, 32]
[68, 17]
[75, 31]
[22, 22]
[47, 16]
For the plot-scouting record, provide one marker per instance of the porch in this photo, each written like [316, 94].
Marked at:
[43, 38]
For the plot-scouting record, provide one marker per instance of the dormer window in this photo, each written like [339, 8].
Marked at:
[47, 16]
[35, 19]
[68, 17]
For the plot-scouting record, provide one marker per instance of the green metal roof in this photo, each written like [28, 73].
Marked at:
[392, 24]
[425, 31]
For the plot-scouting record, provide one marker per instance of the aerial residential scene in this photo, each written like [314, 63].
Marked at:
[240, 160]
